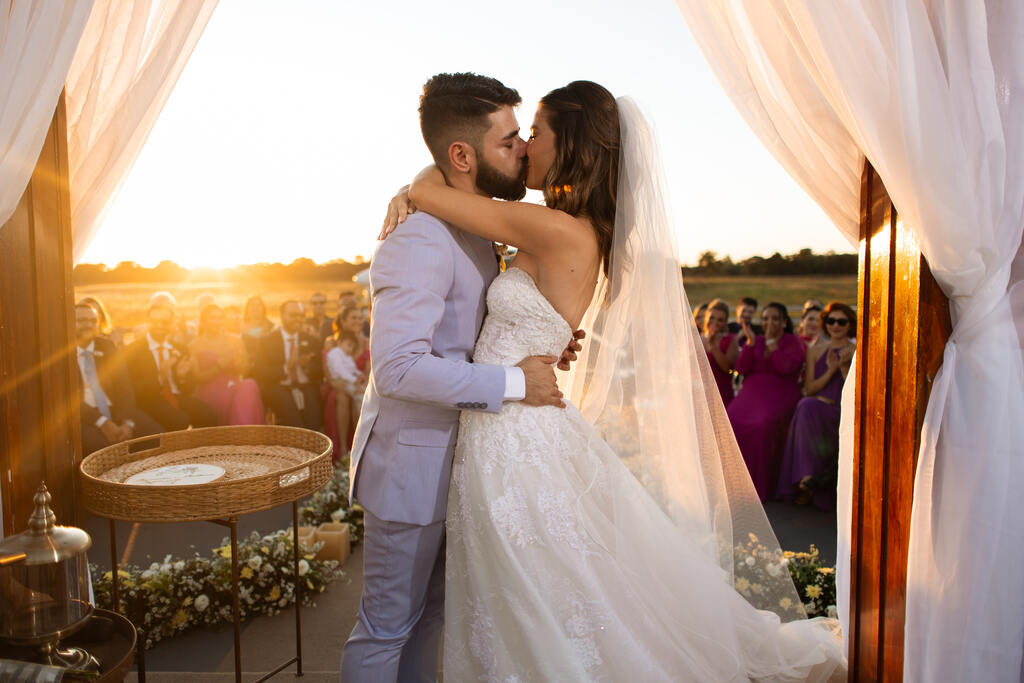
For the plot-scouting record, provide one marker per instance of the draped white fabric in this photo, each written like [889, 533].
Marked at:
[37, 44]
[128, 61]
[932, 93]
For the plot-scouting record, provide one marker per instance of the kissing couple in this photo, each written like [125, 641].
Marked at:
[615, 536]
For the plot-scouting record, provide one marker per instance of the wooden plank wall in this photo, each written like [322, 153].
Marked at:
[39, 421]
[902, 326]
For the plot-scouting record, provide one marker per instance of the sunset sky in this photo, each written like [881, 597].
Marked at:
[294, 123]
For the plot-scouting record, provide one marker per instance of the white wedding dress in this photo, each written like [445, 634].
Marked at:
[561, 567]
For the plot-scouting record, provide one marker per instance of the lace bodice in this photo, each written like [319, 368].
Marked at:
[520, 322]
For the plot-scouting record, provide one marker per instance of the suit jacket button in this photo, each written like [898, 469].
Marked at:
[483, 406]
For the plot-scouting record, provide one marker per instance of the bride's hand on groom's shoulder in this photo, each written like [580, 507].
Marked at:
[399, 209]
[569, 355]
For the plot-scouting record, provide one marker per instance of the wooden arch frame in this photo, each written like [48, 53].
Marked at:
[902, 325]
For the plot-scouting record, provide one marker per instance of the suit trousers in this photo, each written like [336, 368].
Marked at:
[190, 411]
[287, 412]
[401, 612]
[93, 439]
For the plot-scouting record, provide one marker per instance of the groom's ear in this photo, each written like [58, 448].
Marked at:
[461, 157]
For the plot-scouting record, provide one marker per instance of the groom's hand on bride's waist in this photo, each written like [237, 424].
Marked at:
[541, 386]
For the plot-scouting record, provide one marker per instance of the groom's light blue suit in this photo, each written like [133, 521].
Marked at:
[428, 282]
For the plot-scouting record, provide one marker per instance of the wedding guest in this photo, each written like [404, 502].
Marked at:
[809, 329]
[319, 324]
[811, 303]
[348, 299]
[106, 329]
[255, 324]
[720, 346]
[744, 322]
[352, 321]
[811, 461]
[218, 362]
[699, 313]
[345, 387]
[107, 406]
[289, 370]
[161, 377]
[761, 412]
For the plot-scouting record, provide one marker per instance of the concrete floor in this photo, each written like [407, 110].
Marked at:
[206, 655]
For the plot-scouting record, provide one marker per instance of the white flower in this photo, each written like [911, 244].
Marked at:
[155, 567]
[179, 565]
[267, 567]
[255, 561]
[832, 612]
[303, 567]
[148, 574]
[279, 548]
[202, 602]
[772, 569]
[282, 602]
[784, 562]
[338, 515]
[750, 561]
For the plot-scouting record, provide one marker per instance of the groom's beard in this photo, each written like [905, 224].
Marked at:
[498, 185]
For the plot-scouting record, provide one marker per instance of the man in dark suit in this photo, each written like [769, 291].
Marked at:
[160, 376]
[289, 370]
[107, 401]
[744, 325]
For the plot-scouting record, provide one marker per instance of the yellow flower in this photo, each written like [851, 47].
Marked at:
[309, 584]
[785, 603]
[246, 572]
[179, 618]
[826, 570]
[742, 584]
[223, 551]
[757, 588]
[265, 550]
[188, 601]
[788, 553]
[753, 538]
[813, 591]
[275, 593]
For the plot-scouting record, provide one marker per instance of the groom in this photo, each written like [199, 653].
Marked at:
[428, 282]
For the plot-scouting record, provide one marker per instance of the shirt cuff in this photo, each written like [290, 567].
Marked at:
[515, 384]
[100, 422]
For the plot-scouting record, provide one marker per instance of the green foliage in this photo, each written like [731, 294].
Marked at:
[815, 584]
[330, 504]
[803, 262]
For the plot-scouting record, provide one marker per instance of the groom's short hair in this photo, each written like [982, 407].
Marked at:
[456, 106]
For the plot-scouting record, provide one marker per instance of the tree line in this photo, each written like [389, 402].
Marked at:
[299, 270]
[803, 262]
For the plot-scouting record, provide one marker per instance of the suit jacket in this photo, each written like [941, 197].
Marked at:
[428, 281]
[269, 366]
[114, 380]
[145, 374]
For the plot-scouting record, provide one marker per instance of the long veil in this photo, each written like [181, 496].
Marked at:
[644, 381]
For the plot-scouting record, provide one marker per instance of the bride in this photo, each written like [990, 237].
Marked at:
[620, 538]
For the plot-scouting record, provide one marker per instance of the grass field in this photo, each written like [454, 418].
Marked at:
[126, 303]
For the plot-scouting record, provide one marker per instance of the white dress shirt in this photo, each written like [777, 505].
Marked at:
[156, 348]
[288, 338]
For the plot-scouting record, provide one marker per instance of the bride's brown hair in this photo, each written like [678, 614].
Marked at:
[582, 180]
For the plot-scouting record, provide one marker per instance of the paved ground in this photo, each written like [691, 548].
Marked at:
[206, 655]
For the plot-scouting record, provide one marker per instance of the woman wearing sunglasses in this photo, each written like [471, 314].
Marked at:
[810, 463]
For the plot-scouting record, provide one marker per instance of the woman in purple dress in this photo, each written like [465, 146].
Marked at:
[811, 460]
[218, 363]
[720, 346]
[761, 412]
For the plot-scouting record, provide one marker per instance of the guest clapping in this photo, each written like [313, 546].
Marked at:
[809, 329]
[107, 403]
[218, 362]
[760, 414]
[744, 327]
[289, 370]
[721, 347]
[811, 461]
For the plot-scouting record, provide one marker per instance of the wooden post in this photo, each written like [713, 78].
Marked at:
[902, 326]
[39, 421]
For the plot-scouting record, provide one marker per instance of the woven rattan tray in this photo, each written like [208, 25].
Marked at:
[265, 466]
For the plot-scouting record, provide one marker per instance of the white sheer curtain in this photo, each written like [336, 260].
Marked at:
[37, 44]
[128, 61]
[933, 94]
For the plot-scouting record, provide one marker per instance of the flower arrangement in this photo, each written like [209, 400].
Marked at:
[759, 571]
[330, 504]
[178, 594]
[815, 584]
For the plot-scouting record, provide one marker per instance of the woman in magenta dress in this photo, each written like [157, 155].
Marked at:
[761, 412]
[219, 361]
[811, 461]
[720, 346]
